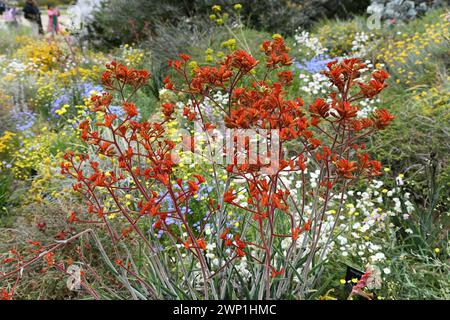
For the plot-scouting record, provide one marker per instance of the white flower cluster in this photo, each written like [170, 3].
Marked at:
[361, 44]
[14, 69]
[314, 83]
[365, 227]
[308, 44]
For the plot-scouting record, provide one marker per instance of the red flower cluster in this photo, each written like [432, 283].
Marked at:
[5, 295]
[212, 76]
[382, 118]
[376, 85]
[241, 61]
[325, 136]
[319, 108]
[119, 73]
[346, 168]
[277, 53]
[142, 155]
[343, 74]
[267, 109]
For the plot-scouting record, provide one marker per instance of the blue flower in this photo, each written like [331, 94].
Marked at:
[118, 110]
[315, 65]
[24, 119]
[73, 95]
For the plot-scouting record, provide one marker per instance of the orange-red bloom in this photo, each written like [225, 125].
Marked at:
[241, 60]
[346, 168]
[382, 118]
[229, 196]
[277, 53]
[319, 108]
[130, 109]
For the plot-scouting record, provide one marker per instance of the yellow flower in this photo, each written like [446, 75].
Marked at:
[216, 8]
[437, 250]
[5, 139]
[219, 22]
[342, 281]
[112, 216]
[276, 35]
[193, 65]
[61, 112]
[212, 17]
[230, 44]
[237, 6]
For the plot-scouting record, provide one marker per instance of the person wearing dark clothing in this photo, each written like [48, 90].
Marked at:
[33, 14]
[2, 7]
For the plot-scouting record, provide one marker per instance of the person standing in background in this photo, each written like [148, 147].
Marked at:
[2, 7]
[33, 14]
[53, 19]
[11, 17]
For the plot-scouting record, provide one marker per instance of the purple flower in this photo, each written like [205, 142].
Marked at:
[73, 95]
[24, 119]
[118, 110]
[315, 65]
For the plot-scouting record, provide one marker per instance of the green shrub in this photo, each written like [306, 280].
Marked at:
[5, 182]
[121, 21]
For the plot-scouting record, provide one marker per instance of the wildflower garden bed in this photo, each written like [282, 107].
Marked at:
[218, 161]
